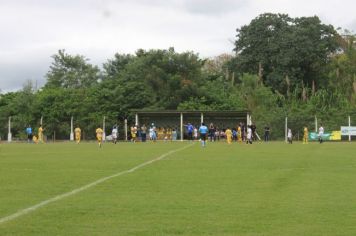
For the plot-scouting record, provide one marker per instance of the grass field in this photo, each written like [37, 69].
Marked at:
[259, 189]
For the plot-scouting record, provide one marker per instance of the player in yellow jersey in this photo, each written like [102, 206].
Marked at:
[99, 135]
[40, 134]
[34, 139]
[133, 133]
[239, 134]
[78, 133]
[228, 134]
[306, 135]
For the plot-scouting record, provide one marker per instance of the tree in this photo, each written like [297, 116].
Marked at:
[159, 79]
[69, 71]
[342, 70]
[286, 52]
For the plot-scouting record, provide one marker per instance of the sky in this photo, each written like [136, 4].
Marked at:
[31, 31]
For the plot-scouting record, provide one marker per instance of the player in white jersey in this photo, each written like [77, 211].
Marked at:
[249, 135]
[321, 133]
[114, 134]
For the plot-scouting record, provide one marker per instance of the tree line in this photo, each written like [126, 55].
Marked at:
[281, 66]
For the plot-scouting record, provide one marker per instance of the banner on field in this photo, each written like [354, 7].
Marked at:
[333, 136]
[348, 130]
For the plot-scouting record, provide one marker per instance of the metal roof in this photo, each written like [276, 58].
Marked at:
[241, 113]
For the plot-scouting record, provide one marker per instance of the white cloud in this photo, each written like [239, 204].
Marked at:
[33, 30]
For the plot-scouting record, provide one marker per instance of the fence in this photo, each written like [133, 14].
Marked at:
[15, 130]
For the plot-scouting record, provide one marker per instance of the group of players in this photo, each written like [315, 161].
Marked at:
[306, 135]
[31, 136]
[241, 134]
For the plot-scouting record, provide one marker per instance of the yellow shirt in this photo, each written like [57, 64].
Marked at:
[40, 130]
[305, 131]
[133, 132]
[77, 130]
[228, 133]
[99, 132]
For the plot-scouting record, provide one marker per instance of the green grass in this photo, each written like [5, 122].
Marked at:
[259, 189]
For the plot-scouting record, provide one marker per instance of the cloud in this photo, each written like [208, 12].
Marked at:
[33, 30]
[215, 8]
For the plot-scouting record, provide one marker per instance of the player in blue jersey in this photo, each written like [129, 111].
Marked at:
[203, 130]
[29, 134]
[190, 129]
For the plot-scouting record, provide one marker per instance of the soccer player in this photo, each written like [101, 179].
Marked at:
[195, 133]
[35, 139]
[169, 133]
[29, 133]
[190, 129]
[211, 132]
[321, 133]
[254, 134]
[203, 130]
[289, 136]
[267, 130]
[99, 135]
[239, 133]
[249, 135]
[114, 134]
[40, 134]
[153, 135]
[143, 133]
[174, 135]
[78, 133]
[234, 135]
[228, 134]
[133, 133]
[306, 135]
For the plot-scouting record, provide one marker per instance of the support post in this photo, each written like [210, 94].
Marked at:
[136, 119]
[125, 129]
[71, 138]
[104, 135]
[247, 118]
[201, 118]
[316, 124]
[41, 120]
[9, 134]
[286, 130]
[181, 127]
[350, 128]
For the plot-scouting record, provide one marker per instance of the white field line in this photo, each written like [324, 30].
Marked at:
[85, 187]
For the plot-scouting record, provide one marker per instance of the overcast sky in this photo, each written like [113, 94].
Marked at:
[31, 31]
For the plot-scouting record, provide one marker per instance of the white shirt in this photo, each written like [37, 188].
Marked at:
[249, 133]
[321, 131]
[114, 133]
[289, 134]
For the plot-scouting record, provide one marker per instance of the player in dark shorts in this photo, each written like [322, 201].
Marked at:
[29, 134]
[190, 129]
[203, 130]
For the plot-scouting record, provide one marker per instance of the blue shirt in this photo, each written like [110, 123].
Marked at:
[29, 130]
[203, 129]
[190, 128]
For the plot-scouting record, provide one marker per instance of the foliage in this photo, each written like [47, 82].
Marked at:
[289, 54]
[69, 71]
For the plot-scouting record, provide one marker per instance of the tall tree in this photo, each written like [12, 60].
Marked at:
[286, 52]
[69, 71]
